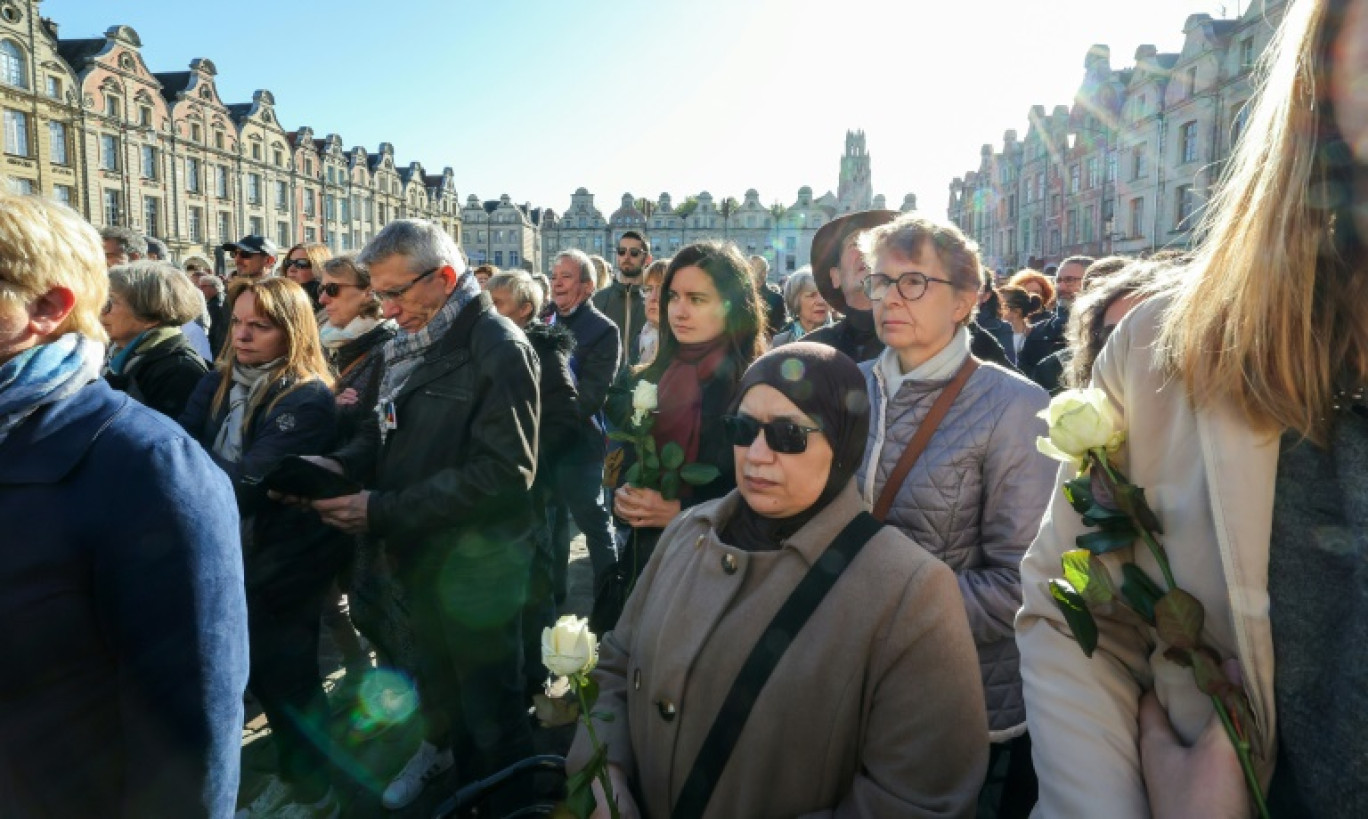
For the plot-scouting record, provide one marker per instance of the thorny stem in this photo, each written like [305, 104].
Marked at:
[602, 772]
[1155, 547]
[1242, 751]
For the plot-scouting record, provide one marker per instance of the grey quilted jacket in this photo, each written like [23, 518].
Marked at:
[974, 499]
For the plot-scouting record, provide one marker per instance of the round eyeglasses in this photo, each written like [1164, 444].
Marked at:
[911, 286]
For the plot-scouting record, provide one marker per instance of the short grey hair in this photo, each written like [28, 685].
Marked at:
[129, 240]
[520, 285]
[586, 266]
[424, 244]
[799, 283]
[157, 291]
[157, 248]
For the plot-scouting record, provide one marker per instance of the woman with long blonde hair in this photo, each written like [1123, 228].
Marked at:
[1240, 383]
[270, 396]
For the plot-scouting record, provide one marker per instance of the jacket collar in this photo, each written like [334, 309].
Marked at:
[61, 432]
[452, 349]
[812, 540]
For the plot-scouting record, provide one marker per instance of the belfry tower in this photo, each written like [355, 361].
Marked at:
[856, 190]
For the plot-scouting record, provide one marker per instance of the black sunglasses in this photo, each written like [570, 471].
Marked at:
[333, 289]
[299, 263]
[634, 252]
[781, 435]
[244, 254]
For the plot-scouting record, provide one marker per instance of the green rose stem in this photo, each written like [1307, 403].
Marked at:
[602, 772]
[1242, 751]
[1099, 457]
[1234, 734]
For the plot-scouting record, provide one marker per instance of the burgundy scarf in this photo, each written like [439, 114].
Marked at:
[679, 416]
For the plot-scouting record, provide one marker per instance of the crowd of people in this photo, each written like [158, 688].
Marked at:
[847, 614]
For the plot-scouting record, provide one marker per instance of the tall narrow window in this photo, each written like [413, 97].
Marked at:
[113, 210]
[16, 133]
[109, 152]
[192, 175]
[149, 162]
[12, 71]
[57, 142]
[151, 215]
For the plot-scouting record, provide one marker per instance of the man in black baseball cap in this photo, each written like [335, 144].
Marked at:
[840, 271]
[253, 256]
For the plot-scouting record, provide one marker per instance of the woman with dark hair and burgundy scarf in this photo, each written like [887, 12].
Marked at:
[713, 330]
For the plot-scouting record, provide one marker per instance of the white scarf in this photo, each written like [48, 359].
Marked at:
[334, 337]
[248, 384]
[939, 367]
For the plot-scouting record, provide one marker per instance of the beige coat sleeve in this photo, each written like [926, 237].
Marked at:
[1082, 713]
[925, 750]
[614, 660]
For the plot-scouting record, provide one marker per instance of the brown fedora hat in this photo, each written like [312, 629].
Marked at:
[826, 248]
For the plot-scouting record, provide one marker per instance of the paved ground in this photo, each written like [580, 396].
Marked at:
[368, 762]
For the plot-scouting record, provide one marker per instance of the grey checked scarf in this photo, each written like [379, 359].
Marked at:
[405, 351]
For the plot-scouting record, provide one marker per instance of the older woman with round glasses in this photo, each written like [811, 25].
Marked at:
[975, 495]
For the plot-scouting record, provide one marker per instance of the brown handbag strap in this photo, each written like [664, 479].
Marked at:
[917, 445]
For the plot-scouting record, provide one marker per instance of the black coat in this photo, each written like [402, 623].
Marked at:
[623, 305]
[854, 335]
[360, 363]
[560, 424]
[713, 448]
[1043, 340]
[162, 376]
[598, 351]
[457, 469]
[220, 320]
[776, 312]
[283, 548]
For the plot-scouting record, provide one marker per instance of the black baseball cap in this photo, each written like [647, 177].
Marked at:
[253, 243]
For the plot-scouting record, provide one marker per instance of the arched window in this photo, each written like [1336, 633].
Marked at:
[12, 65]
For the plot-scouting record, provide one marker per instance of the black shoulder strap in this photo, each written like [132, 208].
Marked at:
[764, 658]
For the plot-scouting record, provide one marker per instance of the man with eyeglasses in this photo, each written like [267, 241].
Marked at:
[1047, 337]
[449, 462]
[253, 256]
[621, 301]
[840, 271]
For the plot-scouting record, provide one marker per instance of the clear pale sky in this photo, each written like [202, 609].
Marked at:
[535, 99]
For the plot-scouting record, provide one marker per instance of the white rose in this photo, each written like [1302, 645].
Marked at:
[569, 647]
[643, 401]
[1080, 421]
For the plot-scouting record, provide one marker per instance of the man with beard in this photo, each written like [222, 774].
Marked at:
[622, 301]
[840, 271]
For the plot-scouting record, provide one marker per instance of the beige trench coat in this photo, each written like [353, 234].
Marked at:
[876, 709]
[1210, 479]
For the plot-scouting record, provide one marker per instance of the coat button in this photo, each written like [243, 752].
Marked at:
[667, 710]
[636, 680]
[729, 564]
[699, 542]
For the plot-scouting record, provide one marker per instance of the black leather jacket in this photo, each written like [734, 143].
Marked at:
[456, 471]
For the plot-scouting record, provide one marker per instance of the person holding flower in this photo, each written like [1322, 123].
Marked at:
[713, 330]
[874, 705]
[1239, 389]
[975, 494]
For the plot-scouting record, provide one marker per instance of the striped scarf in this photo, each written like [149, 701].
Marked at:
[405, 351]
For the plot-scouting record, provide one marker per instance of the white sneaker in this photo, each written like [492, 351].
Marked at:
[425, 765]
[325, 808]
[276, 794]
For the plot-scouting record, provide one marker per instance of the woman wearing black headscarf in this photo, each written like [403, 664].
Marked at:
[874, 705]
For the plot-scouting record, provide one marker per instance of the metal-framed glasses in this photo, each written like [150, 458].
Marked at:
[781, 435]
[398, 292]
[911, 286]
